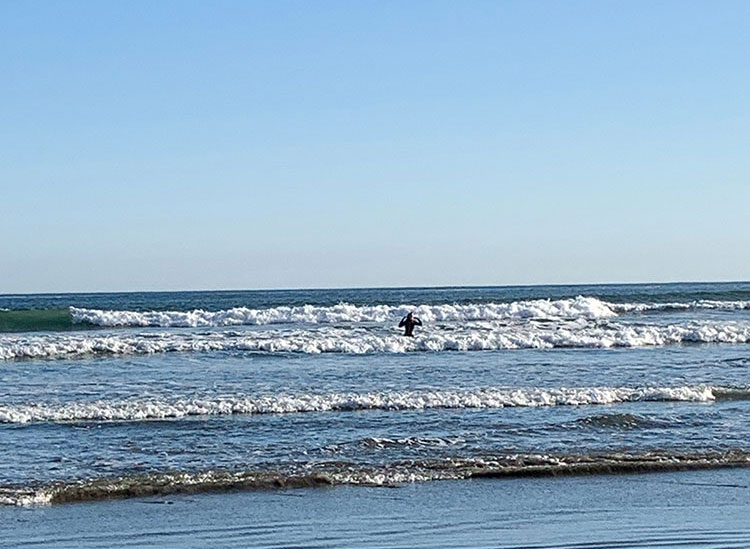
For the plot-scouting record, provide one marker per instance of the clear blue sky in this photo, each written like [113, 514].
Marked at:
[201, 145]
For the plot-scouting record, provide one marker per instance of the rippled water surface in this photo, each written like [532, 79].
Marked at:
[700, 509]
[120, 395]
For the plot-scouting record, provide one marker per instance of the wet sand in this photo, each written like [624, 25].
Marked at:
[696, 509]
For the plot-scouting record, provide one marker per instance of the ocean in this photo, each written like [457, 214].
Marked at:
[151, 395]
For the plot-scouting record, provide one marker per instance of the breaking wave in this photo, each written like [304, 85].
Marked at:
[579, 307]
[479, 336]
[149, 409]
[338, 473]
[681, 306]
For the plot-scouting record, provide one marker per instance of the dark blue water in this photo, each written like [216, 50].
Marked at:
[204, 391]
[217, 300]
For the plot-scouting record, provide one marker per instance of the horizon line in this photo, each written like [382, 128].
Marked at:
[334, 288]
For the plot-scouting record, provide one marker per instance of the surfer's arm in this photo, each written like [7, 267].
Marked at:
[402, 323]
[417, 321]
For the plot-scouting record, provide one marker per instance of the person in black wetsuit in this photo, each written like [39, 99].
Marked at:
[408, 323]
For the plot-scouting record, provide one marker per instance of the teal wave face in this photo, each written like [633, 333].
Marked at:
[36, 320]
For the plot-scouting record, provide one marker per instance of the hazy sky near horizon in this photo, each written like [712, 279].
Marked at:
[207, 145]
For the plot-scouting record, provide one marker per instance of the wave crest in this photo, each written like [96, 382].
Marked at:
[585, 307]
[138, 410]
[480, 336]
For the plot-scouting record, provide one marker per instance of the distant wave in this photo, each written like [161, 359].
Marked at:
[337, 473]
[581, 307]
[32, 320]
[148, 409]
[541, 309]
[681, 306]
[485, 335]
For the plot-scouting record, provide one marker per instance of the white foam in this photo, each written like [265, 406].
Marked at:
[26, 497]
[483, 335]
[136, 410]
[579, 307]
[684, 306]
[571, 308]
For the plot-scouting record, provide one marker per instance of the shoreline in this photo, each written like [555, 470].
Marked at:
[396, 475]
[703, 508]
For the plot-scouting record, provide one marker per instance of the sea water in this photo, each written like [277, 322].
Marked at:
[125, 395]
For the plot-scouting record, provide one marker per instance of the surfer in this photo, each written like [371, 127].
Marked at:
[408, 323]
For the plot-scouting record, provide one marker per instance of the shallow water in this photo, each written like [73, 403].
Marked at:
[699, 509]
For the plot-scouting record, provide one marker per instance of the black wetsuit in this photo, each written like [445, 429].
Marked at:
[408, 325]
